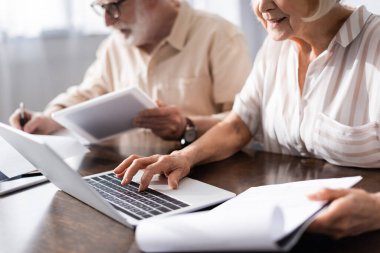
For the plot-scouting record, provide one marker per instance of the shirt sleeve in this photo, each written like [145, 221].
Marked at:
[230, 66]
[248, 102]
[95, 82]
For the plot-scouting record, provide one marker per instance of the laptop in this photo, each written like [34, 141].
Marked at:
[103, 191]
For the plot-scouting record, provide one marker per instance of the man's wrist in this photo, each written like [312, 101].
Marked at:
[190, 133]
[376, 197]
[50, 110]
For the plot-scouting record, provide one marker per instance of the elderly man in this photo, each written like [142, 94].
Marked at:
[190, 62]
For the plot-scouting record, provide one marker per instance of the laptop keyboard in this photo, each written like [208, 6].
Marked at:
[127, 199]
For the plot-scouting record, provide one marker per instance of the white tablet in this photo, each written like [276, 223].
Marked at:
[104, 116]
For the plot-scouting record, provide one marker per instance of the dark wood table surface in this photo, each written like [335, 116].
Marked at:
[45, 219]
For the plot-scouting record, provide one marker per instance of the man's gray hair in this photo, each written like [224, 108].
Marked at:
[324, 7]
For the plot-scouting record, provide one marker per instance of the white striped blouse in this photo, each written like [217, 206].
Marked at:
[337, 116]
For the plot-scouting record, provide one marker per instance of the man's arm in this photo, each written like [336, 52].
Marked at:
[204, 123]
[230, 65]
[169, 122]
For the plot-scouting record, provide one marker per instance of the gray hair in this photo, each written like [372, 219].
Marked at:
[324, 7]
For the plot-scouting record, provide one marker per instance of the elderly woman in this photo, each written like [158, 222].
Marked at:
[311, 93]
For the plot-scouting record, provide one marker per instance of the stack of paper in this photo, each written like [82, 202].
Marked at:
[262, 218]
[13, 164]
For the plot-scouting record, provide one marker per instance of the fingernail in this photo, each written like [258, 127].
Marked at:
[314, 196]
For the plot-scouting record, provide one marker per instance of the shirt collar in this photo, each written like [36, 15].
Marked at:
[353, 26]
[181, 27]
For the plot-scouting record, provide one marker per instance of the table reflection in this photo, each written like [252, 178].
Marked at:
[249, 168]
[140, 142]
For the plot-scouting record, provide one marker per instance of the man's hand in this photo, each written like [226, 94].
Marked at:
[36, 122]
[173, 166]
[351, 212]
[167, 122]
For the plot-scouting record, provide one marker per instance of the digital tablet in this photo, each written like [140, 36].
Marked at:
[104, 116]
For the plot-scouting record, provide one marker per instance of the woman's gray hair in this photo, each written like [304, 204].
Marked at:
[324, 7]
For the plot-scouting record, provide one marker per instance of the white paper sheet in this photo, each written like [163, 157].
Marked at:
[64, 146]
[204, 231]
[291, 198]
[12, 163]
[254, 220]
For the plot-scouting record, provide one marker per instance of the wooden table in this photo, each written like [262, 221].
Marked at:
[44, 219]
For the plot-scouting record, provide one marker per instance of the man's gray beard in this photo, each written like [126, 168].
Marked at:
[130, 41]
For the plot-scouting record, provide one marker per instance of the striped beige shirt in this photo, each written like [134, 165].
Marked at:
[337, 116]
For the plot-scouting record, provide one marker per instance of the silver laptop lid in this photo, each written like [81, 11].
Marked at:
[57, 171]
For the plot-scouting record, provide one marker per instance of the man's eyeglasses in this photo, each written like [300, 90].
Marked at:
[112, 9]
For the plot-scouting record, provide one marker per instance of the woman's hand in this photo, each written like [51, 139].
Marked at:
[351, 212]
[173, 166]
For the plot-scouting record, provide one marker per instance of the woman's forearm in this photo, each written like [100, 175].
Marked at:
[220, 142]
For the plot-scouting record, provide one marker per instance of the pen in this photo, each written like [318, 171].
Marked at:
[22, 115]
[26, 175]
